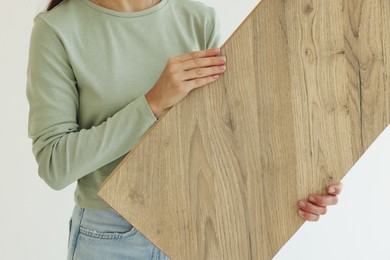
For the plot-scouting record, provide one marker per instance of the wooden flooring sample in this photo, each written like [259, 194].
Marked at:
[306, 91]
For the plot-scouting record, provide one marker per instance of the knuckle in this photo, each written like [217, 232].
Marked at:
[198, 72]
[329, 200]
[197, 62]
[199, 82]
[315, 209]
[192, 54]
[172, 69]
[175, 78]
[311, 208]
[319, 200]
[322, 201]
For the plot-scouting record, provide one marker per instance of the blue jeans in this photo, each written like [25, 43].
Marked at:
[105, 235]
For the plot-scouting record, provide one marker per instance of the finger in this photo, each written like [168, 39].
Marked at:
[323, 200]
[335, 189]
[203, 62]
[312, 208]
[199, 82]
[196, 54]
[308, 216]
[203, 72]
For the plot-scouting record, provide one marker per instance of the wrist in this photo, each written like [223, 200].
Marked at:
[154, 105]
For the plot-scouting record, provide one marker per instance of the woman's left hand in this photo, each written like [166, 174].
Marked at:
[316, 205]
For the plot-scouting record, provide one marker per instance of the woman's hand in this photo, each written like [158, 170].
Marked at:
[316, 205]
[182, 74]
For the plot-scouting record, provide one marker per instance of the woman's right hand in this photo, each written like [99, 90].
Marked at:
[182, 74]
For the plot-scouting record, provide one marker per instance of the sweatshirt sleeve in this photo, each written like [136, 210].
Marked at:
[214, 35]
[63, 151]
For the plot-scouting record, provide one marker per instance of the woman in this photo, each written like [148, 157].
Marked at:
[100, 73]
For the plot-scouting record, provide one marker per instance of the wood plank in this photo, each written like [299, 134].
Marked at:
[305, 93]
[368, 32]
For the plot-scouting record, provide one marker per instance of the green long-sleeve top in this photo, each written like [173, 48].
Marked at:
[88, 72]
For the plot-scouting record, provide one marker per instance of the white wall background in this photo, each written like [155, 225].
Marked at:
[34, 218]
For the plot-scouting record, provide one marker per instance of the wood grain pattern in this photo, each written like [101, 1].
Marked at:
[305, 93]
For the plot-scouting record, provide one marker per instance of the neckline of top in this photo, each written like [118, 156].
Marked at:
[102, 9]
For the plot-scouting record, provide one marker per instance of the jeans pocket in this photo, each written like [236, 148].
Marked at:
[114, 235]
[105, 224]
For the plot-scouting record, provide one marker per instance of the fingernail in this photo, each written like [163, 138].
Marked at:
[312, 199]
[300, 212]
[222, 67]
[332, 190]
[302, 204]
